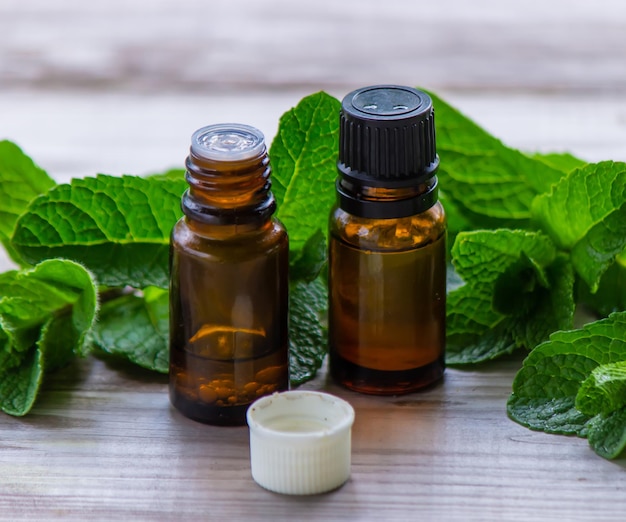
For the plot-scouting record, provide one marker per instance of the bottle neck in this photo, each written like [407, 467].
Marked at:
[228, 192]
[384, 202]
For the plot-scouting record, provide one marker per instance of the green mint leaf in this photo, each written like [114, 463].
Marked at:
[564, 161]
[558, 367]
[308, 302]
[585, 214]
[518, 291]
[45, 314]
[607, 434]
[136, 326]
[483, 256]
[559, 376]
[472, 333]
[472, 349]
[304, 156]
[476, 332]
[493, 184]
[171, 174]
[549, 308]
[557, 415]
[308, 262]
[469, 311]
[21, 181]
[118, 227]
[611, 294]
[604, 391]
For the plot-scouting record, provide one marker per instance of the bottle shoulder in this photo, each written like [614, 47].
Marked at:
[221, 239]
[389, 234]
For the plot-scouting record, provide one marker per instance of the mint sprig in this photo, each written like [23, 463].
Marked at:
[573, 384]
[518, 290]
[585, 214]
[303, 156]
[494, 185]
[611, 294]
[21, 182]
[135, 325]
[118, 227]
[45, 315]
[579, 207]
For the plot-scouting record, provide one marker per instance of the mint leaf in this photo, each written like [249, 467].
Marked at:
[307, 329]
[453, 280]
[611, 294]
[118, 227]
[575, 375]
[21, 181]
[45, 314]
[483, 256]
[304, 156]
[493, 184]
[550, 308]
[171, 174]
[136, 326]
[308, 308]
[555, 415]
[585, 214]
[308, 262]
[490, 344]
[470, 311]
[604, 391]
[518, 290]
[564, 161]
[607, 434]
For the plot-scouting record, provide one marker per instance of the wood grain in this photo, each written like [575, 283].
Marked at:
[103, 443]
[193, 44]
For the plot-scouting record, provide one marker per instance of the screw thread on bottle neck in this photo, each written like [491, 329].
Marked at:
[228, 186]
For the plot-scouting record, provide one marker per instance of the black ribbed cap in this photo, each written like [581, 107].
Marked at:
[387, 136]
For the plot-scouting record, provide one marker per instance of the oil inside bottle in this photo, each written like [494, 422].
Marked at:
[229, 347]
[384, 340]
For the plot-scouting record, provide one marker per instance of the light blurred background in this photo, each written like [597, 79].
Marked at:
[119, 85]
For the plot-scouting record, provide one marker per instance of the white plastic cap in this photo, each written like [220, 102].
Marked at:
[300, 442]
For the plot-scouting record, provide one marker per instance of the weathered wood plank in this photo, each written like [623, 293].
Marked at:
[190, 44]
[104, 443]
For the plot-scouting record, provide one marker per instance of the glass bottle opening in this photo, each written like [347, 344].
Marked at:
[227, 142]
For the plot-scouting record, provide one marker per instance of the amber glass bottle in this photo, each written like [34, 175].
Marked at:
[387, 277]
[228, 290]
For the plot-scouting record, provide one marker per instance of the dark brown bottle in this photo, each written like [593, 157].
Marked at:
[229, 280]
[387, 277]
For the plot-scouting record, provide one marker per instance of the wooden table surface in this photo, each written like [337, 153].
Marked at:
[104, 444]
[118, 87]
